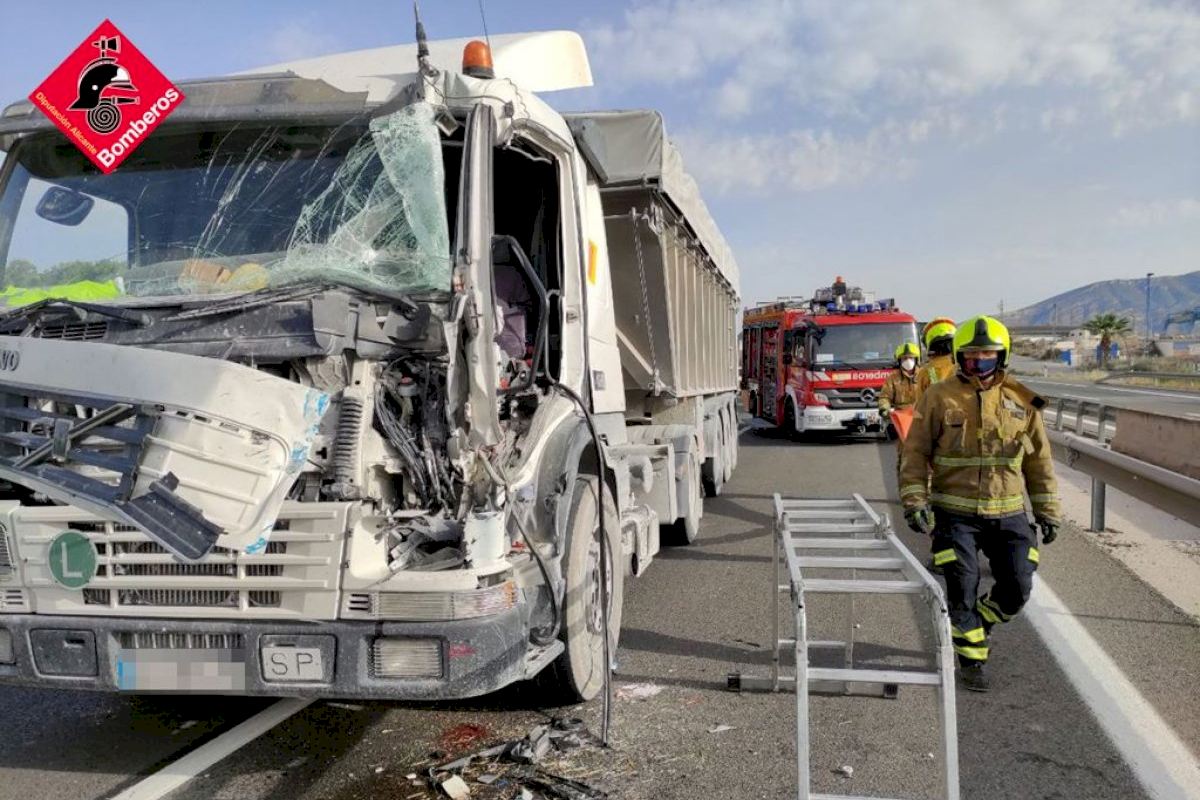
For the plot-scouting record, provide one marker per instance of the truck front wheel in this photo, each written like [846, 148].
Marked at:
[579, 670]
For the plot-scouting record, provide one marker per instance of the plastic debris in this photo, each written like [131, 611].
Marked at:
[845, 770]
[487, 779]
[638, 691]
[346, 706]
[721, 728]
[455, 788]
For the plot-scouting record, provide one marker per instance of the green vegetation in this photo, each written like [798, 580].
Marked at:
[26, 274]
[1106, 326]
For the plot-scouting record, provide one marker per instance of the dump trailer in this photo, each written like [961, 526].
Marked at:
[397, 377]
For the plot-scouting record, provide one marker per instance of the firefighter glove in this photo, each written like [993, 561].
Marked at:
[919, 519]
[1049, 530]
[885, 412]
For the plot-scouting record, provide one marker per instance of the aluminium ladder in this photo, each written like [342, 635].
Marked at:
[863, 542]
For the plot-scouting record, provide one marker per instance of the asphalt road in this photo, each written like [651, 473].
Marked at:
[1160, 401]
[699, 613]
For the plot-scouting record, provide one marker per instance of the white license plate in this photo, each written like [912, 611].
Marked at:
[181, 670]
[292, 664]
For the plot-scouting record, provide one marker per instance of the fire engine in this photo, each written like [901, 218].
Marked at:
[819, 364]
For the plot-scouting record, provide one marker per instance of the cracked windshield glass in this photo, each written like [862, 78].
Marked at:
[236, 210]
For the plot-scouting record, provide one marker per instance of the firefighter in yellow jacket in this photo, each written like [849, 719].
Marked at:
[980, 436]
[900, 388]
[938, 336]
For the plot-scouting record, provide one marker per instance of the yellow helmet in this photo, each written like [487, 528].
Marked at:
[982, 333]
[908, 349]
[938, 330]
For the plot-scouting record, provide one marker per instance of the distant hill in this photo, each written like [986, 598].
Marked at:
[1127, 298]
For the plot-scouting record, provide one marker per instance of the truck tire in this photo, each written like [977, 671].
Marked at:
[685, 529]
[788, 428]
[578, 672]
[731, 439]
[713, 471]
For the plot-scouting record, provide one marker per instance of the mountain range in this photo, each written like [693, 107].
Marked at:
[1169, 294]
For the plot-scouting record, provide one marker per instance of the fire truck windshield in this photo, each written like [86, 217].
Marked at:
[862, 346]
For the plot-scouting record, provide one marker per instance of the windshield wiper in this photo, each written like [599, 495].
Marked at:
[115, 312]
[297, 291]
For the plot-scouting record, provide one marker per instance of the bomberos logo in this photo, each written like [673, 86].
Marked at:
[106, 97]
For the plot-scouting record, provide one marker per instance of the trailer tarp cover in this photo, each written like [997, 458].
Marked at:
[631, 148]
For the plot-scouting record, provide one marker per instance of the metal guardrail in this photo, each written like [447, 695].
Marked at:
[1117, 376]
[1085, 448]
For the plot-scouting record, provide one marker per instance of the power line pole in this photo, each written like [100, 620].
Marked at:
[1149, 275]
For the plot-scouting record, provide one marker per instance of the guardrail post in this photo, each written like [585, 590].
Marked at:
[1058, 414]
[1098, 491]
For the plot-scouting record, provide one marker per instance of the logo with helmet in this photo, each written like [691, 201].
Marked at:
[104, 86]
[106, 97]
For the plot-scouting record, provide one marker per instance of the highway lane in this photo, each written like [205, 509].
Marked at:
[699, 613]
[1140, 398]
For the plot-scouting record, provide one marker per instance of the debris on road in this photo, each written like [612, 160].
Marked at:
[638, 691]
[846, 770]
[461, 737]
[517, 764]
[456, 788]
[344, 706]
[721, 728]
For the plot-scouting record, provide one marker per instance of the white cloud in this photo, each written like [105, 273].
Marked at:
[810, 159]
[1139, 58]
[1158, 212]
[296, 39]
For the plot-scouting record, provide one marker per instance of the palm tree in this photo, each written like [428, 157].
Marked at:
[1106, 326]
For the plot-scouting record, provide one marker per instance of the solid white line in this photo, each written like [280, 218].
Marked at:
[1163, 764]
[1127, 390]
[177, 773]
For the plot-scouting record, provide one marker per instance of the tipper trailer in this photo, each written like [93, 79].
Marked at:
[387, 339]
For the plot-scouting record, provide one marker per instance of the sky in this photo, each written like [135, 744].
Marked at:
[954, 154]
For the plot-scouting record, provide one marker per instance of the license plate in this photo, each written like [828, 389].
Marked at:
[292, 664]
[181, 670]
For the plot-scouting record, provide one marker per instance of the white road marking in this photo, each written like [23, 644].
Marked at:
[1163, 764]
[177, 773]
[1127, 390]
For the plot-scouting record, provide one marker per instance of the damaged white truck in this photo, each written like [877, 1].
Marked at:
[382, 344]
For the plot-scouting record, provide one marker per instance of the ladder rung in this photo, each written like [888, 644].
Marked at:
[813, 643]
[819, 503]
[846, 797]
[839, 544]
[874, 676]
[830, 527]
[826, 513]
[834, 562]
[848, 586]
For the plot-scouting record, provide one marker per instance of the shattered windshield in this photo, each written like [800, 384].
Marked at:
[195, 212]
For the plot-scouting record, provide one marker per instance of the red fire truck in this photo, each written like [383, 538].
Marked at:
[818, 364]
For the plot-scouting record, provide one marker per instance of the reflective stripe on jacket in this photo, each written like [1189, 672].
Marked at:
[984, 448]
[899, 390]
[936, 370]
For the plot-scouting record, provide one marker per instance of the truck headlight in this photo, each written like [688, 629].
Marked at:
[396, 657]
[7, 656]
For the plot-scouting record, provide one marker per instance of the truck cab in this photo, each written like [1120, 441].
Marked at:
[324, 390]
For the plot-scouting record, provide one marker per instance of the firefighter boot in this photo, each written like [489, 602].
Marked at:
[974, 677]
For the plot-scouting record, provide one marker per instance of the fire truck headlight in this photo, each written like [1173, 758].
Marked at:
[819, 399]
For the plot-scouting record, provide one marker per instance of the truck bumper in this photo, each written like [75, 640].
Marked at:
[443, 660]
[820, 418]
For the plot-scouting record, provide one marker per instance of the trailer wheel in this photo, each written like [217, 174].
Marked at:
[578, 673]
[685, 529]
[714, 467]
[731, 441]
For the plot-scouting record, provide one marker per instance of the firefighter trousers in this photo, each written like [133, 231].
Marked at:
[1010, 545]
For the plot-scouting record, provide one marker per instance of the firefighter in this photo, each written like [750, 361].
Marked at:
[980, 436]
[900, 388]
[938, 336]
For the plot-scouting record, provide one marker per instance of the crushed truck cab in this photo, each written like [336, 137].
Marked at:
[400, 363]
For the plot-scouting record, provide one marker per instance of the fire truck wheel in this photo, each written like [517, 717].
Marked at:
[578, 673]
[788, 428]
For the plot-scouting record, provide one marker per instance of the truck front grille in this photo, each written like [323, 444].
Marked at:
[296, 575]
[74, 331]
[851, 398]
[179, 640]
